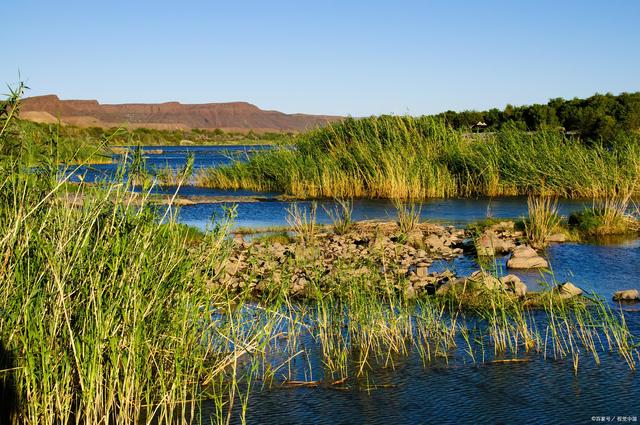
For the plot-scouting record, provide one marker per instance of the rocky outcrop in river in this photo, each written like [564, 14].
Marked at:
[376, 250]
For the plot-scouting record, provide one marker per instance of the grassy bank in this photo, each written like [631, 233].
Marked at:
[34, 143]
[152, 137]
[405, 157]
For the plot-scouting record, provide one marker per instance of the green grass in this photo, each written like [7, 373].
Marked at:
[40, 142]
[406, 157]
[152, 137]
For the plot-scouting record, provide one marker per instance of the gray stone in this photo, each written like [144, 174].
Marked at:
[434, 242]
[409, 292]
[524, 251]
[421, 271]
[527, 263]
[503, 226]
[456, 286]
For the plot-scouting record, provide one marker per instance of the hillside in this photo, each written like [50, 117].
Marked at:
[234, 116]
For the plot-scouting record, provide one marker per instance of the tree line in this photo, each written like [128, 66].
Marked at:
[601, 117]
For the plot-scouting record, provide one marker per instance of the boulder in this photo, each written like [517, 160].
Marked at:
[568, 290]
[524, 251]
[525, 257]
[298, 284]
[239, 239]
[415, 238]
[426, 281]
[512, 283]
[627, 295]
[527, 263]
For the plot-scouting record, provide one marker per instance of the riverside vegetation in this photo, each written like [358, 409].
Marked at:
[417, 158]
[111, 311]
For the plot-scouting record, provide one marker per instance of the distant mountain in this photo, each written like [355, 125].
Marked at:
[234, 116]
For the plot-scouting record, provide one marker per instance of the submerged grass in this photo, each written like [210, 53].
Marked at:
[415, 158]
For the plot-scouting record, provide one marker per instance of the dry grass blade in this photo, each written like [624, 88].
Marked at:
[543, 219]
[408, 215]
[303, 222]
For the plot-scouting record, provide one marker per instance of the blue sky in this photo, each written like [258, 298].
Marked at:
[334, 57]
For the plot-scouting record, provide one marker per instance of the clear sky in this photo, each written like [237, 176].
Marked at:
[333, 57]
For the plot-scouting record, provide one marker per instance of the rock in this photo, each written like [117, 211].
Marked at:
[557, 237]
[413, 277]
[238, 239]
[421, 271]
[503, 225]
[487, 280]
[410, 292]
[426, 281]
[513, 284]
[524, 251]
[627, 295]
[447, 274]
[489, 244]
[414, 238]
[434, 242]
[457, 286]
[527, 263]
[568, 290]
[525, 257]
[298, 285]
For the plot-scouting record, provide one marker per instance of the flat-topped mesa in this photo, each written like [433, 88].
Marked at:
[238, 116]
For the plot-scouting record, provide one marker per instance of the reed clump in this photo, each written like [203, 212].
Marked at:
[609, 215]
[302, 221]
[407, 216]
[404, 157]
[543, 220]
[341, 216]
